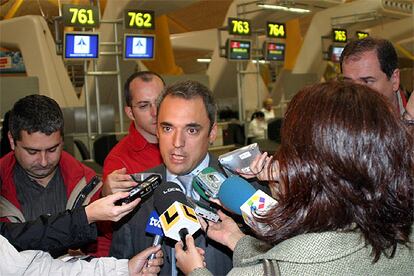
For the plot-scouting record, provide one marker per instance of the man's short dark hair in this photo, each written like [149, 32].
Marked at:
[189, 90]
[145, 76]
[386, 54]
[35, 113]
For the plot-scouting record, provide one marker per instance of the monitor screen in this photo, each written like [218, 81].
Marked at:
[335, 53]
[137, 46]
[274, 51]
[81, 45]
[238, 49]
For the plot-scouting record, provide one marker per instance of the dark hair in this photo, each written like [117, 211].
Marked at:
[35, 113]
[346, 163]
[386, 54]
[189, 90]
[257, 114]
[145, 76]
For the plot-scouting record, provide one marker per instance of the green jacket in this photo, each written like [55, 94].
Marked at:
[327, 253]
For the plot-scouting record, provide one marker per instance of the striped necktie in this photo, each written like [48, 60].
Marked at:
[187, 180]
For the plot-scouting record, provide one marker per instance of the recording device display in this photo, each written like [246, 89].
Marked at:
[239, 159]
[154, 228]
[176, 216]
[81, 45]
[204, 211]
[142, 190]
[207, 183]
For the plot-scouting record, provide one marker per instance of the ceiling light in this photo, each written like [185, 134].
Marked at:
[204, 60]
[283, 8]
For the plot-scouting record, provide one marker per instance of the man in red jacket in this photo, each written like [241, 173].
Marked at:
[38, 177]
[138, 151]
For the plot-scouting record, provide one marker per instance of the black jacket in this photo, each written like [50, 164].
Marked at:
[54, 233]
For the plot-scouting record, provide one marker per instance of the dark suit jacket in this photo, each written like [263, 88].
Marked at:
[129, 236]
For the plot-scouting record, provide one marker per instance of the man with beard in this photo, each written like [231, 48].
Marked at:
[38, 177]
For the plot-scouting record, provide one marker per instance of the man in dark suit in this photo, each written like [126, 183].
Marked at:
[186, 126]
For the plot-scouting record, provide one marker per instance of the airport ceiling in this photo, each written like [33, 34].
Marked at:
[183, 16]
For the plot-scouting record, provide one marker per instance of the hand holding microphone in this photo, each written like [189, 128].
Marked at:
[177, 218]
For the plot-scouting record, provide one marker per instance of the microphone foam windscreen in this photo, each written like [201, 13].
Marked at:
[234, 192]
[166, 194]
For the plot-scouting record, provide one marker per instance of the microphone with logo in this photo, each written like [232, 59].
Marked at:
[235, 193]
[240, 197]
[177, 218]
[154, 228]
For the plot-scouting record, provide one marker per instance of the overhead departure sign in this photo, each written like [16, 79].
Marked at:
[339, 35]
[238, 49]
[361, 35]
[80, 16]
[138, 46]
[81, 45]
[277, 30]
[274, 51]
[139, 19]
[238, 26]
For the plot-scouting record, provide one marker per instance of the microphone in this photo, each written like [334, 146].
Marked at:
[240, 197]
[177, 218]
[154, 228]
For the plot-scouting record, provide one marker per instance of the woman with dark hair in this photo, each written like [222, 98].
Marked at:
[343, 179]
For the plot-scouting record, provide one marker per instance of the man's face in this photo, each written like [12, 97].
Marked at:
[143, 110]
[37, 153]
[183, 133]
[365, 69]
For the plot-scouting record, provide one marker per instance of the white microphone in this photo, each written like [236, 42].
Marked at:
[177, 218]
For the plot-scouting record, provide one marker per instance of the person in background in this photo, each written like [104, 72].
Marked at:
[138, 151]
[374, 62]
[267, 109]
[34, 262]
[37, 176]
[257, 126]
[343, 179]
[4, 140]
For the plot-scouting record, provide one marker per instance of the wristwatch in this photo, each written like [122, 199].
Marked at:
[407, 118]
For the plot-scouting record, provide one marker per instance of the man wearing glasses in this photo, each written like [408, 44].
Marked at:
[138, 151]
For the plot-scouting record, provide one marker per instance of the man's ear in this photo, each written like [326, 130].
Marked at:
[395, 80]
[128, 112]
[213, 133]
[11, 140]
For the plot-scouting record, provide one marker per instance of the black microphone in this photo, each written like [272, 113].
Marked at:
[177, 218]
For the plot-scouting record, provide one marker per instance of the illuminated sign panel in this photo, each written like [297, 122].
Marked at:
[238, 49]
[81, 45]
[361, 35]
[80, 16]
[277, 30]
[138, 46]
[339, 35]
[274, 51]
[238, 26]
[335, 53]
[137, 19]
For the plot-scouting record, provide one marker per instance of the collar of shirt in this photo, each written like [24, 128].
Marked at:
[173, 177]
